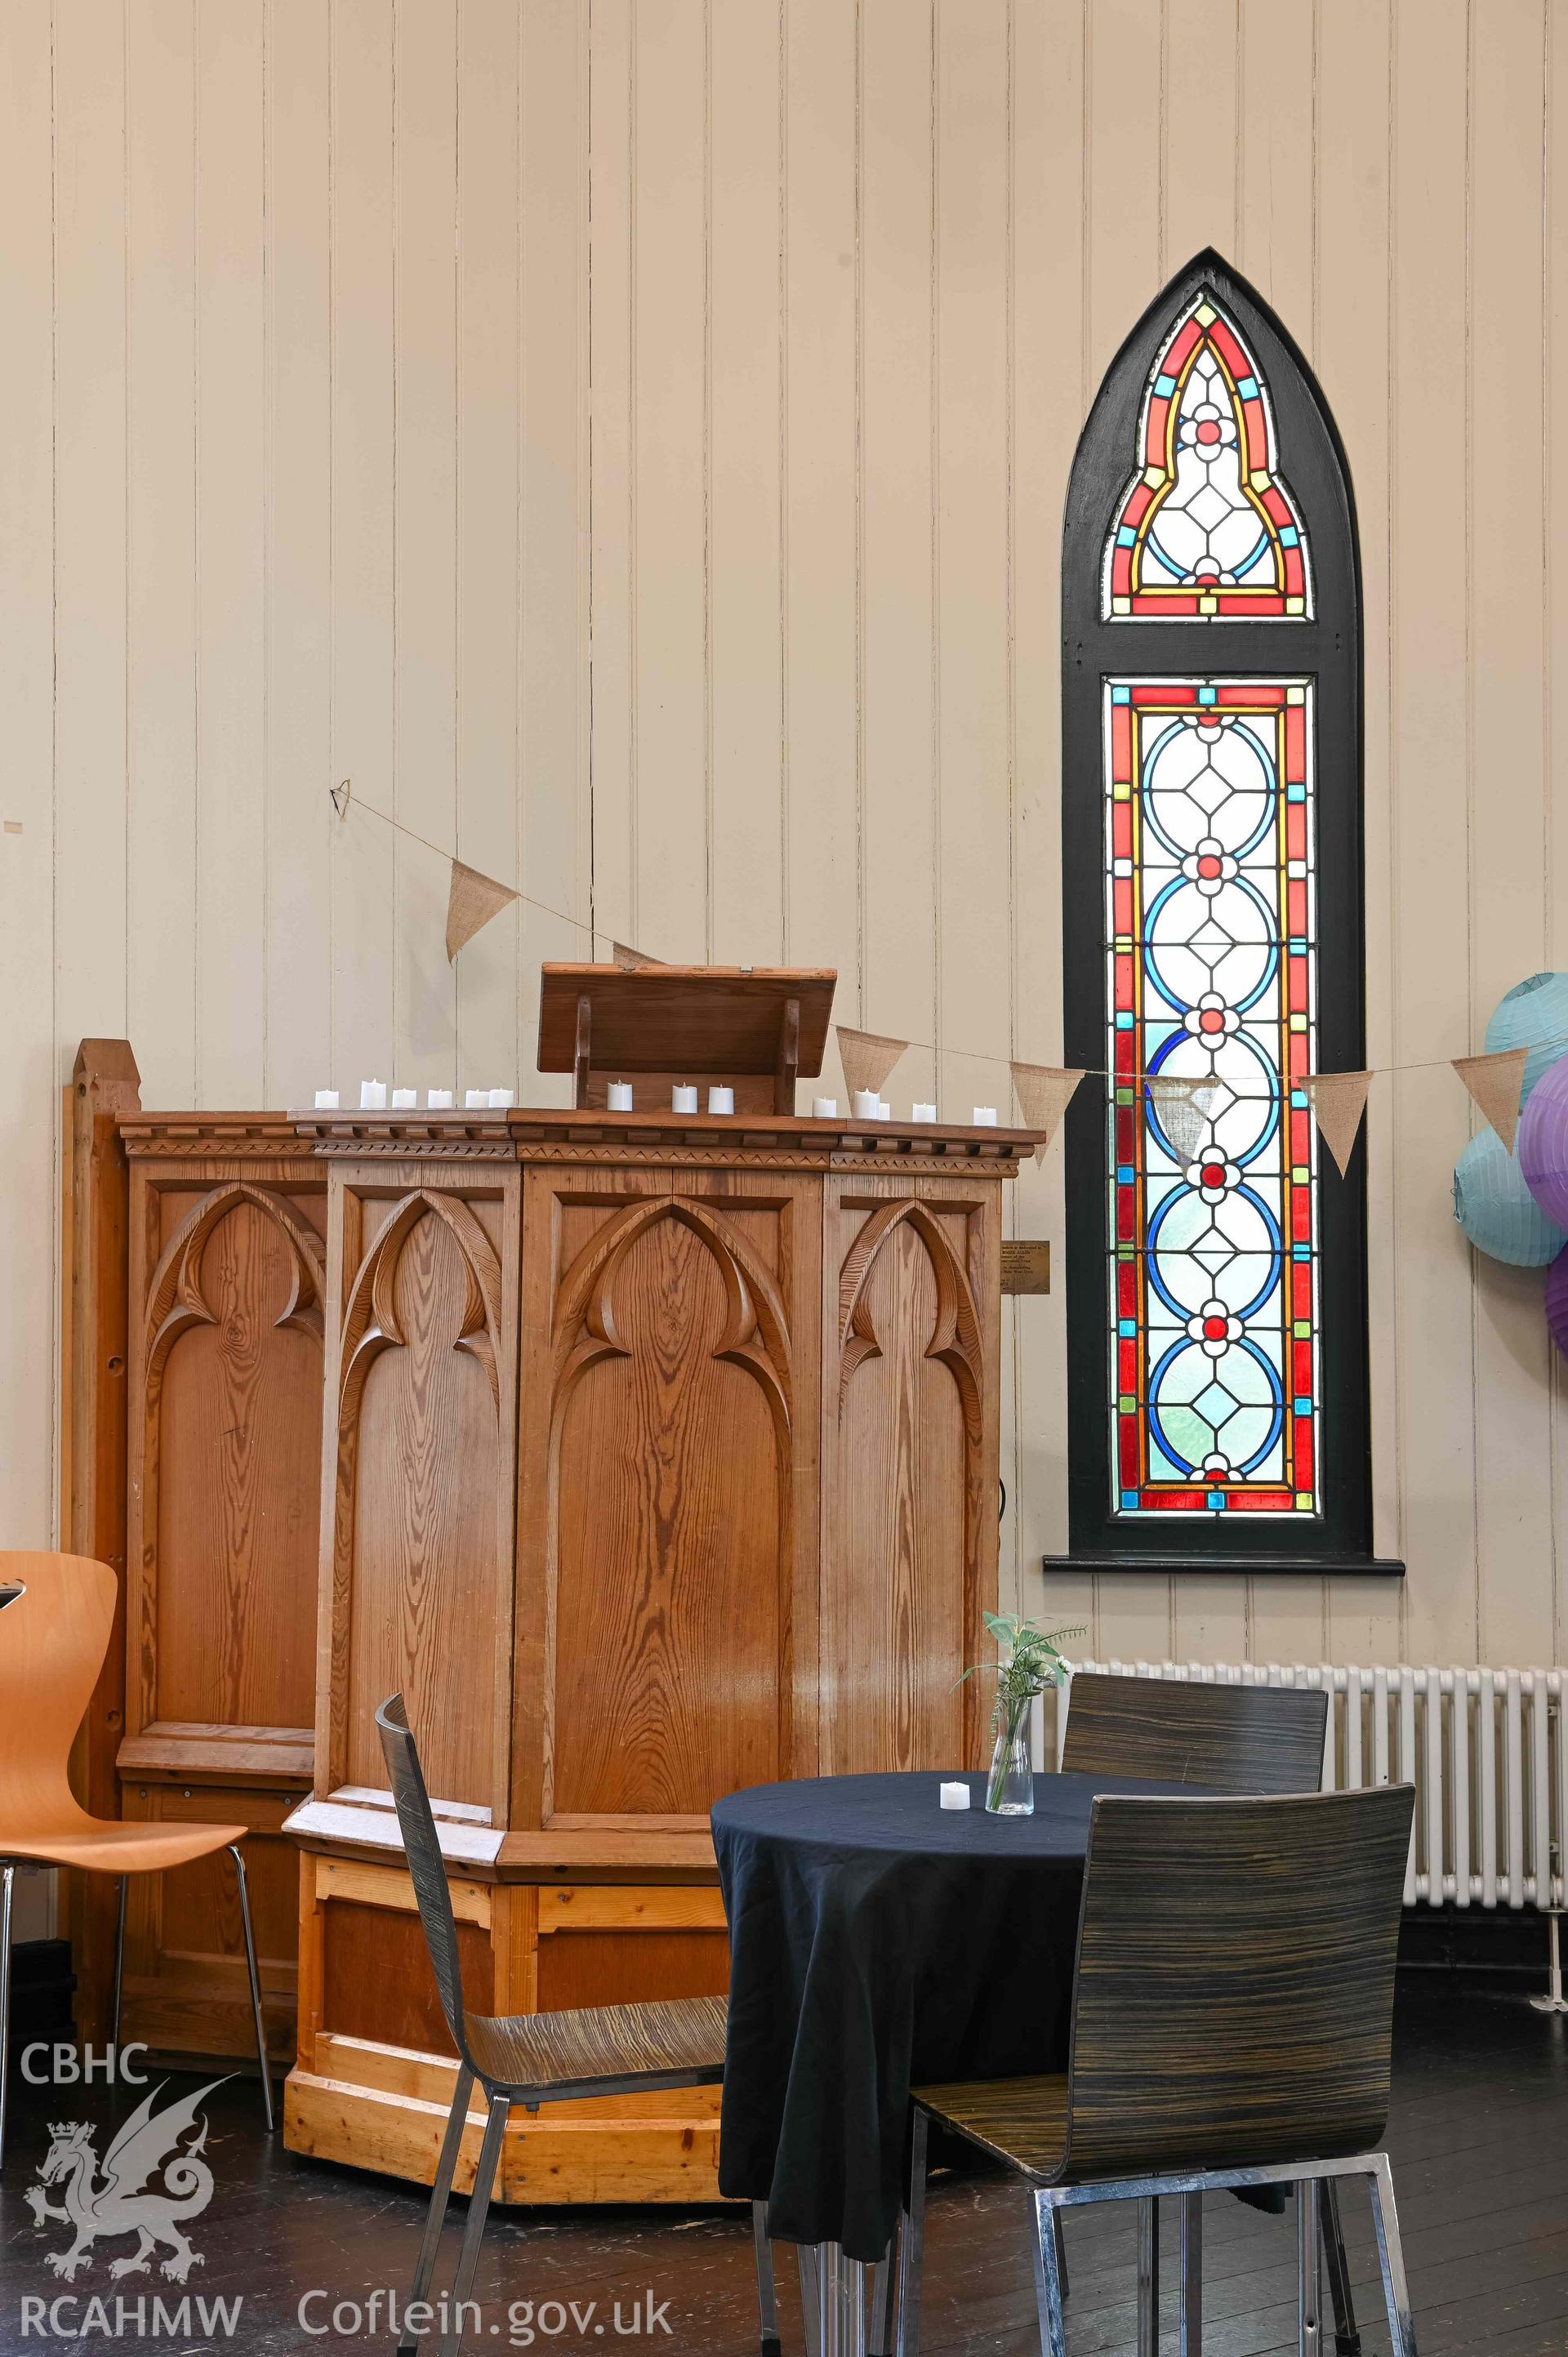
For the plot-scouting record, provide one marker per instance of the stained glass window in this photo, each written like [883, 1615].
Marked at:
[1210, 894]
[1206, 528]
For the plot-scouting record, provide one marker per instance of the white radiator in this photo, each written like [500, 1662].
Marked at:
[1485, 1749]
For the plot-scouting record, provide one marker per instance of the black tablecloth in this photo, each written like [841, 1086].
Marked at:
[877, 1942]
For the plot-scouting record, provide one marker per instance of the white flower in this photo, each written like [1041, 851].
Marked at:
[1211, 1021]
[1214, 1329]
[1213, 1177]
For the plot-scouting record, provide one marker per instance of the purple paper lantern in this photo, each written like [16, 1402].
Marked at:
[1542, 1146]
[1557, 1300]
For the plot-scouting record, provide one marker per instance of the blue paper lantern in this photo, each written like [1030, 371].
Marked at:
[1534, 1015]
[1497, 1210]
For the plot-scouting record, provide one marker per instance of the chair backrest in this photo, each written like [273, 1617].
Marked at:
[425, 1863]
[1233, 1997]
[54, 1633]
[1179, 1731]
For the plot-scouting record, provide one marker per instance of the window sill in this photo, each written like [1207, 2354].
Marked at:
[1298, 1567]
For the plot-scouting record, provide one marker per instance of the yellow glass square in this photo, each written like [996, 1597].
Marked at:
[1295, 695]
[1206, 314]
[1122, 791]
[1120, 605]
[1258, 478]
[1209, 605]
[1298, 1023]
[1153, 477]
[1295, 605]
[1300, 1174]
[1304, 1505]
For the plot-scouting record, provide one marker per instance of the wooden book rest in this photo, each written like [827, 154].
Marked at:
[753, 1029]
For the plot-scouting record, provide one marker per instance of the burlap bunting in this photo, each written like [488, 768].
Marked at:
[1045, 1091]
[1183, 1108]
[471, 902]
[1497, 1083]
[628, 960]
[867, 1057]
[1338, 1100]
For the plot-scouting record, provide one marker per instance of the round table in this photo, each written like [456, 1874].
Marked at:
[879, 1941]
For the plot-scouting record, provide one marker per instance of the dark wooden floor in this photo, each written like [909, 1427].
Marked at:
[1480, 2141]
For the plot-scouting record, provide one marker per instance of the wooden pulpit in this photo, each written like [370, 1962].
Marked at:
[658, 1457]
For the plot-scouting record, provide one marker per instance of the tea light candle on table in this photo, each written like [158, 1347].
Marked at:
[372, 1096]
[825, 1108]
[404, 1098]
[955, 1796]
[721, 1101]
[438, 1099]
[501, 1099]
[477, 1097]
[922, 1113]
[884, 1110]
[619, 1096]
[325, 1100]
[986, 1116]
[867, 1105]
[682, 1100]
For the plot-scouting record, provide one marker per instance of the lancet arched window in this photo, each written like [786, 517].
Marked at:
[1213, 919]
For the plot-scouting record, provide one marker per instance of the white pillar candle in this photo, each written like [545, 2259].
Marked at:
[682, 1100]
[867, 1105]
[825, 1108]
[955, 1796]
[501, 1099]
[619, 1096]
[476, 1097]
[439, 1100]
[325, 1100]
[372, 1096]
[922, 1113]
[721, 1100]
[986, 1116]
[884, 1110]
[402, 1099]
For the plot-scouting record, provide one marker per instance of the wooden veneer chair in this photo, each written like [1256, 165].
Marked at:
[1232, 2027]
[1232, 1740]
[55, 1627]
[534, 2058]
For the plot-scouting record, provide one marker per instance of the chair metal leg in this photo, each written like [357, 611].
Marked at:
[1390, 2260]
[119, 1965]
[810, 2259]
[884, 2301]
[1149, 2276]
[255, 1985]
[1189, 2312]
[8, 1881]
[1050, 2287]
[912, 2243]
[435, 2216]
[473, 2232]
[1059, 2237]
[1308, 2245]
[1347, 2339]
[767, 2289]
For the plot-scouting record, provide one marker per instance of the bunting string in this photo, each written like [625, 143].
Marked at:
[1183, 1105]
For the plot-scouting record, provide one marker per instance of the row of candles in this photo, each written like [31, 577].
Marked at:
[868, 1106]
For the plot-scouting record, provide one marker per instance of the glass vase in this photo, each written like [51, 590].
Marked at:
[1010, 1786]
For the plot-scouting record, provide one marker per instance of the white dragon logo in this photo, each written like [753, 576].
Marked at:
[118, 2204]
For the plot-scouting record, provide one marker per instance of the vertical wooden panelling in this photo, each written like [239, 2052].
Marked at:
[1353, 353]
[671, 427]
[299, 1041]
[161, 568]
[1554, 682]
[1507, 785]
[746, 715]
[1427, 790]
[92, 813]
[612, 364]
[425, 227]
[27, 800]
[899, 538]
[364, 863]
[820, 495]
[554, 429]
[230, 490]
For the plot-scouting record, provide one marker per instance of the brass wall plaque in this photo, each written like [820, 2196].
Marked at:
[1025, 1267]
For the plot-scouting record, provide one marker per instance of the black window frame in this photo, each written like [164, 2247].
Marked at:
[1326, 649]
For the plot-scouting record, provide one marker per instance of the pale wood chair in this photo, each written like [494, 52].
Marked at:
[57, 1614]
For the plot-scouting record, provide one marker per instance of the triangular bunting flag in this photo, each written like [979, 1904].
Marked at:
[867, 1057]
[1045, 1091]
[630, 960]
[1183, 1108]
[472, 901]
[1338, 1100]
[1497, 1083]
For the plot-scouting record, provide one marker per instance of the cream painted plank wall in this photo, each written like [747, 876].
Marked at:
[627, 437]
